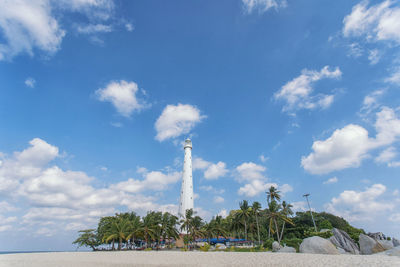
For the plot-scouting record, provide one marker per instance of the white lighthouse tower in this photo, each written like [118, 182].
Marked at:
[187, 181]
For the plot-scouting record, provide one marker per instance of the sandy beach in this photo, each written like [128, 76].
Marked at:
[177, 258]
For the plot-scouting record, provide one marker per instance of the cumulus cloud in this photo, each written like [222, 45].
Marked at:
[154, 180]
[28, 25]
[348, 146]
[375, 23]
[211, 171]
[64, 199]
[386, 155]
[249, 171]
[262, 5]
[214, 171]
[394, 77]
[360, 205]
[176, 120]
[123, 95]
[298, 93]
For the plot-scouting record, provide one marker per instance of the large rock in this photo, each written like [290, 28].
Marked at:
[317, 245]
[386, 244]
[342, 240]
[377, 236]
[275, 246]
[369, 245]
[396, 242]
[287, 250]
[391, 252]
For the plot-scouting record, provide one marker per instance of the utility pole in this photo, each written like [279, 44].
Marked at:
[312, 217]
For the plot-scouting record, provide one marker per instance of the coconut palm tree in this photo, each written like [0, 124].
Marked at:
[119, 230]
[274, 215]
[135, 228]
[273, 194]
[168, 226]
[286, 211]
[256, 208]
[104, 227]
[218, 227]
[244, 213]
[150, 227]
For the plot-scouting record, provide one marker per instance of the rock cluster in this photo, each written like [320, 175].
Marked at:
[369, 245]
[342, 240]
[318, 245]
[276, 246]
[396, 242]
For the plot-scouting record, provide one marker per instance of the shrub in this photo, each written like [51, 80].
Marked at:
[268, 243]
[205, 248]
[148, 249]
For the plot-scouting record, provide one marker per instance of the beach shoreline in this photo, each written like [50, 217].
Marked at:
[194, 258]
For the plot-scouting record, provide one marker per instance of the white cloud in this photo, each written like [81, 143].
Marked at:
[154, 180]
[386, 155]
[380, 22]
[394, 164]
[300, 206]
[395, 217]
[218, 199]
[200, 164]
[93, 28]
[374, 56]
[177, 120]
[123, 95]
[33, 25]
[344, 149]
[262, 5]
[371, 101]
[30, 82]
[355, 50]
[332, 180]
[249, 171]
[298, 93]
[63, 199]
[285, 188]
[129, 27]
[254, 188]
[360, 205]
[347, 147]
[394, 77]
[223, 213]
[214, 171]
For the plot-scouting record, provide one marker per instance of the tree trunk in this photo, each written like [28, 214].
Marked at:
[277, 231]
[113, 247]
[245, 230]
[283, 227]
[258, 230]
[120, 243]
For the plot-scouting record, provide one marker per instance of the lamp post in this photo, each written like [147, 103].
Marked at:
[312, 217]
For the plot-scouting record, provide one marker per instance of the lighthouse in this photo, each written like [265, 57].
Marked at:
[186, 201]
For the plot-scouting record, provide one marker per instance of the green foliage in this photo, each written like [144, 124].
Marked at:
[326, 234]
[205, 248]
[268, 243]
[325, 224]
[87, 238]
[148, 249]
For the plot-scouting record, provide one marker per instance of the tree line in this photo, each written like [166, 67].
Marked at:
[250, 222]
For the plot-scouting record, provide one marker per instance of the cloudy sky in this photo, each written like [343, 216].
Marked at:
[96, 97]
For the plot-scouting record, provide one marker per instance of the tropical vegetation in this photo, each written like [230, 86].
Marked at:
[155, 230]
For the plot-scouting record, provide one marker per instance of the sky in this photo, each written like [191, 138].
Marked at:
[97, 97]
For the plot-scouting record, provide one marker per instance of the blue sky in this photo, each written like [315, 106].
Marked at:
[96, 98]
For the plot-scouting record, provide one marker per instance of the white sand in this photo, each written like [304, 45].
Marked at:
[177, 258]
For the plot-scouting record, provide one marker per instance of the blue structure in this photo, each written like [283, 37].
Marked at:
[214, 241]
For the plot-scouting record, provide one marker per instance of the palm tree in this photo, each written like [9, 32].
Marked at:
[104, 227]
[135, 228]
[275, 214]
[192, 225]
[244, 213]
[150, 226]
[119, 230]
[168, 226]
[87, 238]
[256, 211]
[286, 211]
[273, 194]
[218, 227]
